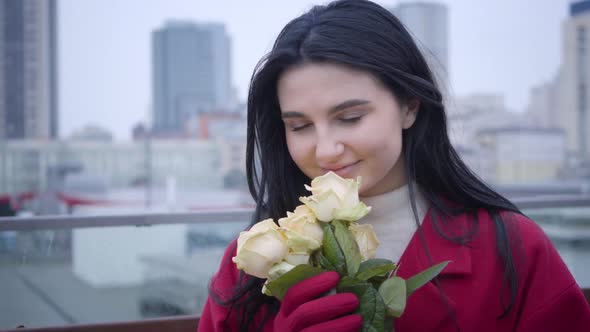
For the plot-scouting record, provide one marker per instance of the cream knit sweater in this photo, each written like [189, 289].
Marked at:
[392, 218]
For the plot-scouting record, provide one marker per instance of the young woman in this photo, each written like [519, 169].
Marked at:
[345, 89]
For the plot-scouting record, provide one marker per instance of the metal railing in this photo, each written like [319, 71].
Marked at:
[151, 219]
[139, 220]
[188, 323]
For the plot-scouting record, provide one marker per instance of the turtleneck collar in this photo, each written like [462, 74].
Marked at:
[393, 220]
[395, 203]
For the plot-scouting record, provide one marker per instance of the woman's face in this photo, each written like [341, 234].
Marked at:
[344, 120]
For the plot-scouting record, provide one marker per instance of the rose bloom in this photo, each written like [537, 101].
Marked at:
[302, 229]
[366, 239]
[259, 248]
[335, 198]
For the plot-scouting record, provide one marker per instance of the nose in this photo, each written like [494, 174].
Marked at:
[328, 149]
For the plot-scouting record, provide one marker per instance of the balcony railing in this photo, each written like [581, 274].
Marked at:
[49, 247]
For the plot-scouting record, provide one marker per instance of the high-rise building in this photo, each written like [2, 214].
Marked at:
[542, 107]
[428, 24]
[522, 154]
[574, 80]
[191, 73]
[28, 69]
[194, 163]
[469, 114]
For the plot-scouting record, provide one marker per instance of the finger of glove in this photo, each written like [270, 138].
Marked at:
[321, 310]
[350, 323]
[308, 289]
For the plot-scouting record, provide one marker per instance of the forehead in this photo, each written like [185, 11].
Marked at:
[322, 85]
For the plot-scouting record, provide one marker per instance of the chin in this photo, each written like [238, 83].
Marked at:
[363, 189]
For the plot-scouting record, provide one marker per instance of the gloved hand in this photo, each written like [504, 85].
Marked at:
[305, 310]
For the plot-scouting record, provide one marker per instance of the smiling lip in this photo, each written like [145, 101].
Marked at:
[341, 171]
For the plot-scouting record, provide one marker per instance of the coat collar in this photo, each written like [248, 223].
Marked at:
[426, 310]
[415, 258]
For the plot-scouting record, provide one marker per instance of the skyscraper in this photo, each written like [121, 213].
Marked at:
[574, 80]
[28, 69]
[191, 73]
[427, 22]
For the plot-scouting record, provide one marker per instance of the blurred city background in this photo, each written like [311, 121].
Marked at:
[115, 114]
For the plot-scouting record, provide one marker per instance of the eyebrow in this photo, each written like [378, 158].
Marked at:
[343, 105]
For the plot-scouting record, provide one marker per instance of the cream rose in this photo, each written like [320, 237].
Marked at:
[297, 258]
[259, 248]
[366, 239]
[304, 233]
[274, 273]
[279, 269]
[335, 198]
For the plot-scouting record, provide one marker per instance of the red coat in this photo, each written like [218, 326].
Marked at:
[548, 297]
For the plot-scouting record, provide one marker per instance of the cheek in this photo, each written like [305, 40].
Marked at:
[298, 150]
[384, 150]
[380, 135]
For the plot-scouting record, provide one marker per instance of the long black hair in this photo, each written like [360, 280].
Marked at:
[365, 36]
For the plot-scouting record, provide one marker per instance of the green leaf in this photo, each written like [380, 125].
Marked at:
[279, 287]
[393, 292]
[371, 306]
[314, 259]
[350, 248]
[332, 251]
[389, 326]
[372, 310]
[377, 281]
[424, 277]
[346, 283]
[374, 267]
[320, 260]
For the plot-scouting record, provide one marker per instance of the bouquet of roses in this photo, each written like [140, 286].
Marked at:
[322, 235]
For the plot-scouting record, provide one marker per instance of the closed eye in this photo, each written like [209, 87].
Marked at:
[298, 128]
[351, 119]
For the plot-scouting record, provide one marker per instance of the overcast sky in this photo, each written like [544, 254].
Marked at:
[500, 46]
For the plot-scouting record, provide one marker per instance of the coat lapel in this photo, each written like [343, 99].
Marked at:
[426, 309]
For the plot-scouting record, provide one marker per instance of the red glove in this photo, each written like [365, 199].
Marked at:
[304, 309]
